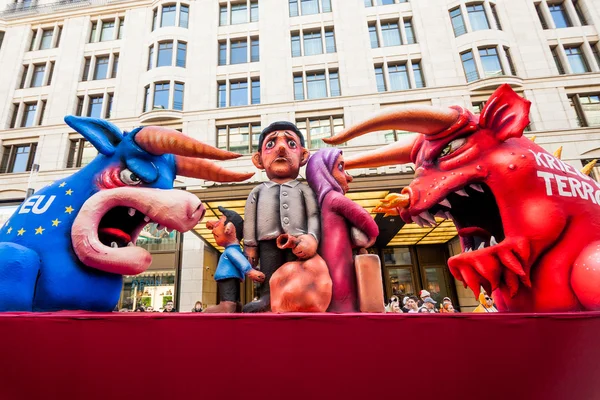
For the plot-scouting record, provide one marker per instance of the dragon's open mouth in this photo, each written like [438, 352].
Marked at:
[475, 214]
[121, 226]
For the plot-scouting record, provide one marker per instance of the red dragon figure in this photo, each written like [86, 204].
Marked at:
[528, 223]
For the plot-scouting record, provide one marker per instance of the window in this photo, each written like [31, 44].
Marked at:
[239, 52]
[317, 128]
[81, 153]
[1, 38]
[101, 68]
[110, 29]
[409, 32]
[495, 15]
[314, 42]
[587, 108]
[222, 53]
[178, 96]
[577, 60]
[46, 39]
[17, 158]
[390, 34]
[399, 76]
[490, 62]
[511, 65]
[373, 35]
[477, 17]
[238, 13]
[50, 73]
[538, 10]
[161, 96]
[242, 139]
[559, 15]
[469, 66]
[181, 54]
[393, 135]
[418, 74]
[578, 11]
[380, 79]
[557, 61]
[255, 50]
[308, 7]
[222, 96]
[371, 3]
[313, 85]
[167, 17]
[37, 79]
[165, 54]
[255, 96]
[596, 52]
[458, 23]
[29, 115]
[93, 105]
[105, 67]
[24, 76]
[238, 94]
[171, 15]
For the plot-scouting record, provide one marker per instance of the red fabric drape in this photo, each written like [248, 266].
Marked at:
[299, 356]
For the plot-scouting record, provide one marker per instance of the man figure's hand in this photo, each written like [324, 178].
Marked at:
[252, 255]
[256, 276]
[306, 248]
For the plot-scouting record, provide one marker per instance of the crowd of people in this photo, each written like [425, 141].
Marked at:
[422, 304]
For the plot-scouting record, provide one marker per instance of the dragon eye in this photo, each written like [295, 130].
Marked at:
[453, 146]
[129, 178]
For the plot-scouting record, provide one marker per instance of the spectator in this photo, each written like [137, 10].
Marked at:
[486, 304]
[428, 305]
[140, 309]
[169, 307]
[393, 299]
[197, 307]
[423, 295]
[149, 309]
[447, 307]
[395, 308]
[411, 305]
[404, 301]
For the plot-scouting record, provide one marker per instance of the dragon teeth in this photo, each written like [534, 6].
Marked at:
[445, 203]
[130, 244]
[461, 192]
[476, 187]
[493, 241]
[449, 216]
[428, 217]
[114, 245]
[131, 212]
[146, 219]
[481, 246]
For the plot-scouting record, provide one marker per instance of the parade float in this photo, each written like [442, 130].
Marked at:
[527, 221]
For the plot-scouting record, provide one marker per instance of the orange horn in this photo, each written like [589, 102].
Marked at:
[157, 140]
[204, 169]
[422, 119]
[394, 153]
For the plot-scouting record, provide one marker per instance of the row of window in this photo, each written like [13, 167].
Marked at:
[310, 42]
[162, 54]
[238, 13]
[171, 15]
[316, 84]
[572, 58]
[479, 16]
[239, 50]
[389, 33]
[99, 67]
[309, 7]
[233, 93]
[36, 75]
[487, 62]
[372, 3]
[560, 14]
[399, 76]
[166, 95]
[47, 38]
[104, 30]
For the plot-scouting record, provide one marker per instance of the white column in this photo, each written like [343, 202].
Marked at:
[589, 55]
[465, 15]
[46, 74]
[504, 60]
[92, 70]
[570, 10]
[402, 32]
[410, 74]
[547, 15]
[104, 104]
[563, 58]
[29, 75]
[55, 36]
[490, 15]
[177, 12]
[478, 63]
[86, 105]
[38, 112]
[19, 120]
[38, 39]
[111, 61]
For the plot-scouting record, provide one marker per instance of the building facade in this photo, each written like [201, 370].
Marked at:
[220, 70]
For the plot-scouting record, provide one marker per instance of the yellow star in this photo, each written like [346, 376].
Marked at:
[69, 192]
[69, 210]
[39, 231]
[55, 222]
[20, 232]
[62, 184]
[9, 230]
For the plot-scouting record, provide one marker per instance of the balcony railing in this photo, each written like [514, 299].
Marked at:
[32, 7]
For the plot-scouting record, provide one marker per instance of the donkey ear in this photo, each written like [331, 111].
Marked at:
[505, 113]
[103, 135]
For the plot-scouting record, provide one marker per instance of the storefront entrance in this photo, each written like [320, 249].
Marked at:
[407, 270]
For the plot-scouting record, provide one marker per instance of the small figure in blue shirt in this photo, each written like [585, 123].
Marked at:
[233, 265]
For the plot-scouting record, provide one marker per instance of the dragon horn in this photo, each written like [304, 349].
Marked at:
[208, 170]
[589, 167]
[157, 140]
[422, 119]
[394, 153]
